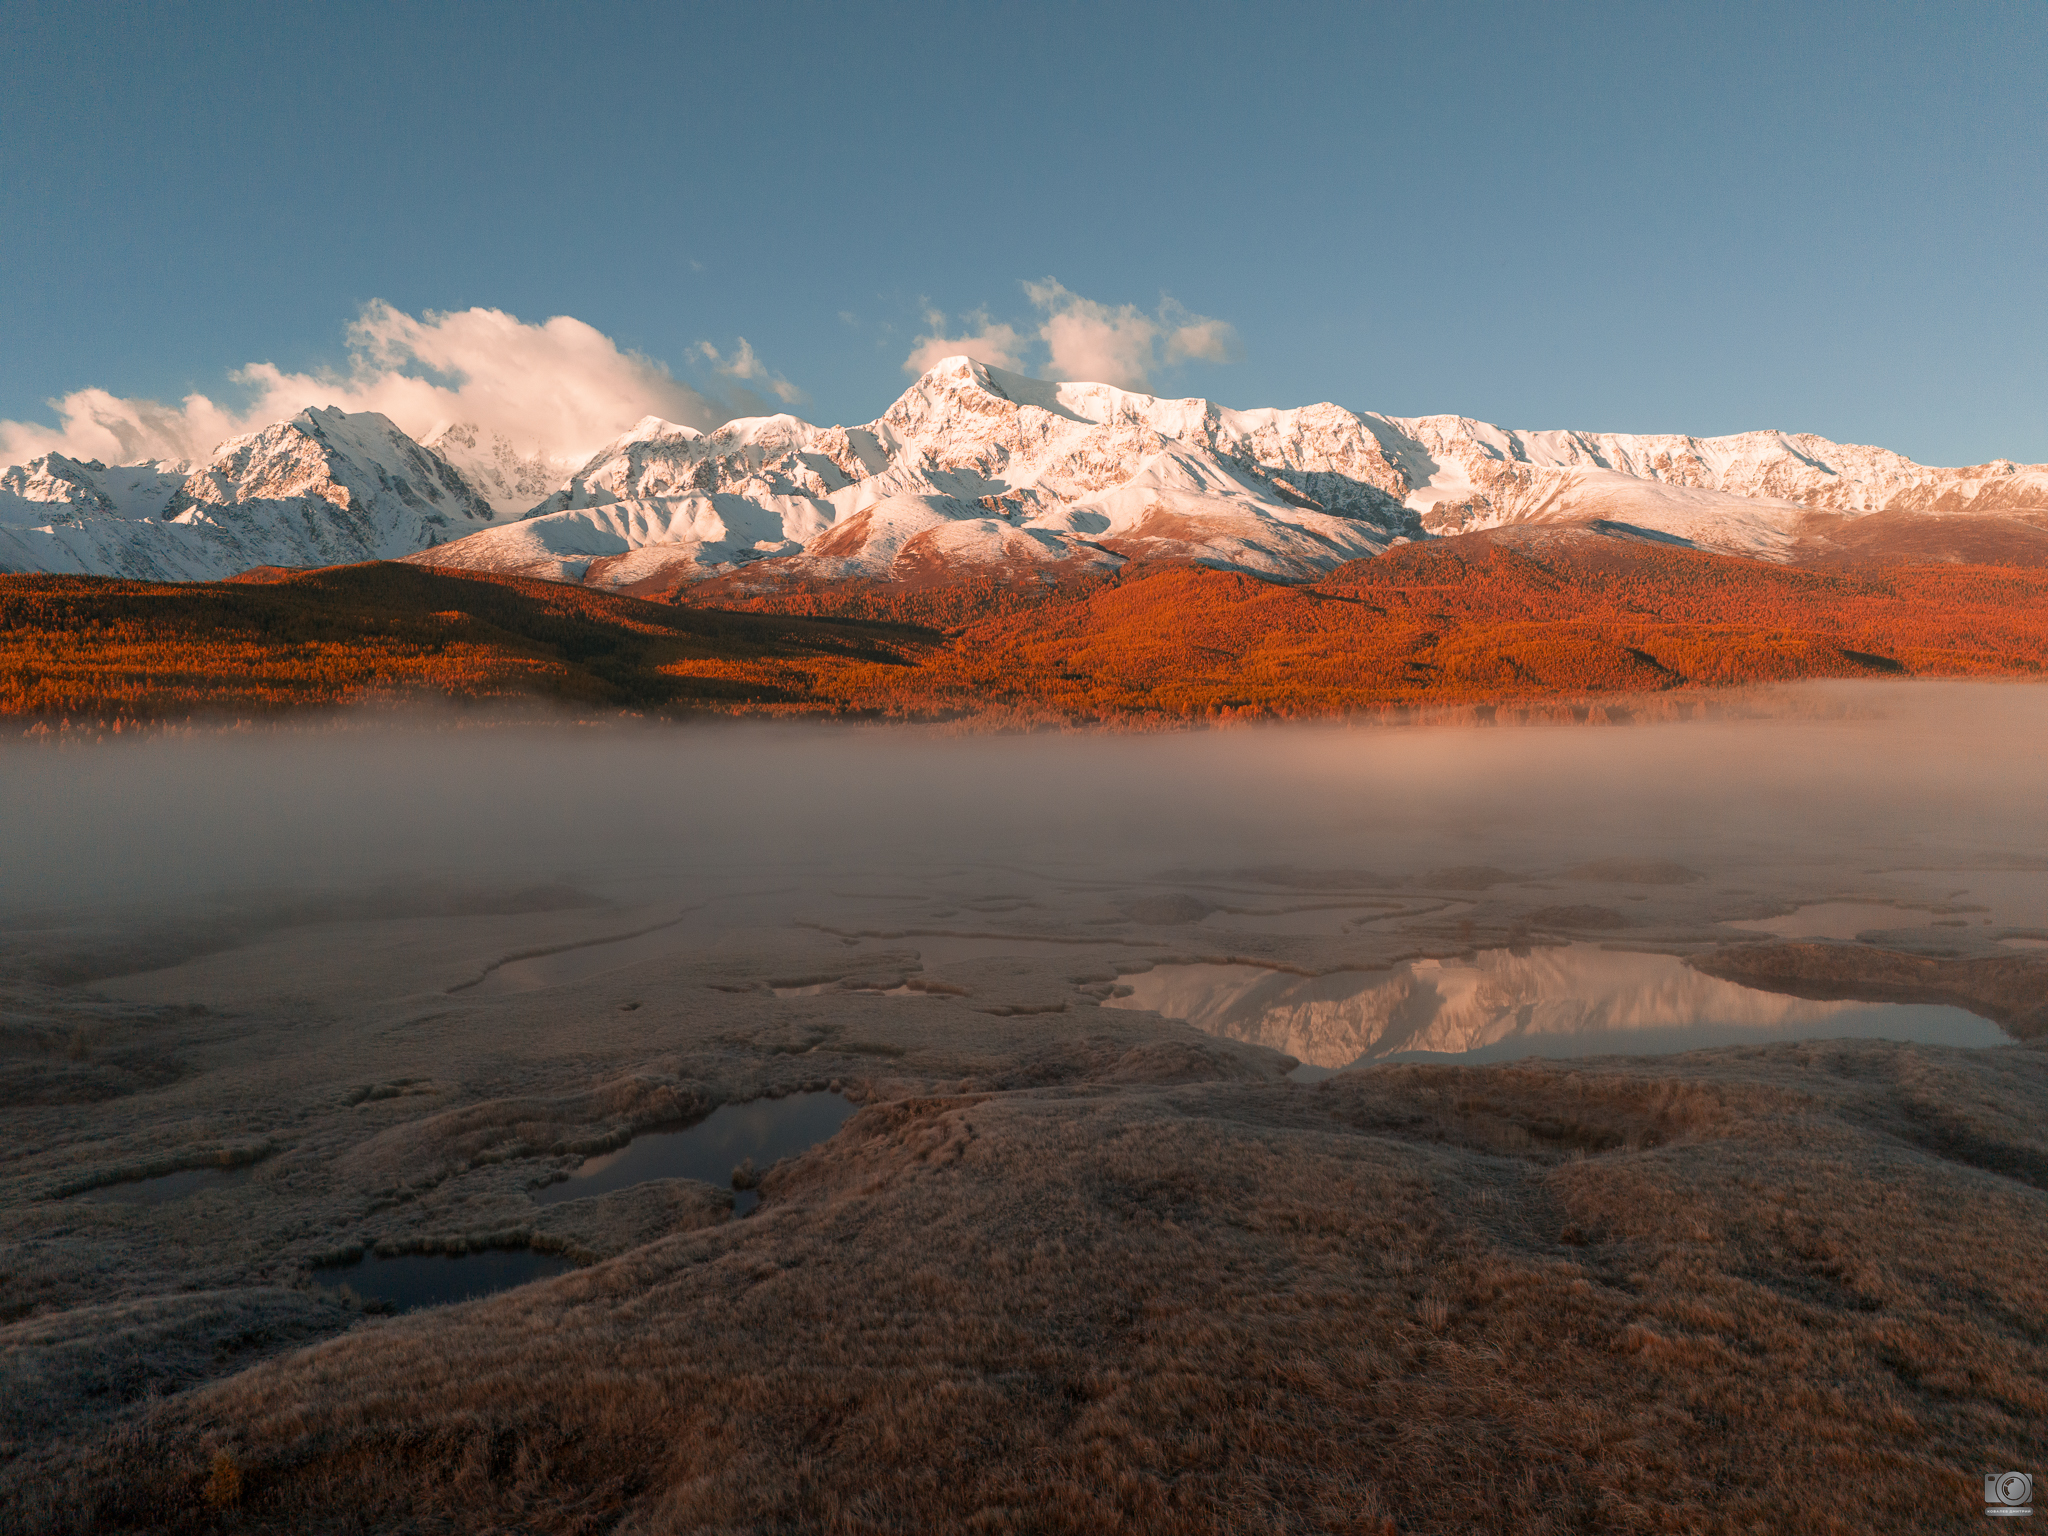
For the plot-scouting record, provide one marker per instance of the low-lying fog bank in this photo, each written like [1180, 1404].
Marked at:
[1870, 771]
[278, 1004]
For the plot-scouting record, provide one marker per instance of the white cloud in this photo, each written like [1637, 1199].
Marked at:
[993, 343]
[1083, 339]
[559, 389]
[742, 363]
[1092, 341]
[1122, 345]
[1196, 336]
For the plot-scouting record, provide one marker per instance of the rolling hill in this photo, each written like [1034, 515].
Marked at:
[1480, 622]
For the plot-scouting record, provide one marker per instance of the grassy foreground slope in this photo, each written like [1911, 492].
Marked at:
[1118, 1284]
[1465, 621]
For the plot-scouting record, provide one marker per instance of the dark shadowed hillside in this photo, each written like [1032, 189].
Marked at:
[275, 640]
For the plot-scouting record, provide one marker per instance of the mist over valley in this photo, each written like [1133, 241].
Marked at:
[313, 1031]
[1344, 832]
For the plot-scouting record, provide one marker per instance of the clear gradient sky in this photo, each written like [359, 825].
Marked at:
[1699, 218]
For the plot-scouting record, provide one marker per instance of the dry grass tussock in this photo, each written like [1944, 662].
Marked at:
[1756, 1290]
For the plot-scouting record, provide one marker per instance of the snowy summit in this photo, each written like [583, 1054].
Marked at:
[978, 470]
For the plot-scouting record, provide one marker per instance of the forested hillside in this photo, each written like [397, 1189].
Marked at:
[1467, 621]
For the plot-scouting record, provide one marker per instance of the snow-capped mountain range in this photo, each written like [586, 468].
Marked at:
[976, 470]
[325, 488]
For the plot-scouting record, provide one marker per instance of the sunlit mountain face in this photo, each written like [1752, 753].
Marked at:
[974, 471]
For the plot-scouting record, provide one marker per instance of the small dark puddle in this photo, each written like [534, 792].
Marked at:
[409, 1281]
[165, 1187]
[760, 1129]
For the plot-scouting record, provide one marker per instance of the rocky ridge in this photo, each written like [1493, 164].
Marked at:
[973, 468]
[325, 488]
[978, 470]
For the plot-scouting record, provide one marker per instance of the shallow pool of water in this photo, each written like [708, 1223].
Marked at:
[761, 1129]
[410, 1281]
[2015, 898]
[1840, 920]
[562, 966]
[820, 988]
[936, 951]
[1574, 1000]
[166, 1187]
[1324, 918]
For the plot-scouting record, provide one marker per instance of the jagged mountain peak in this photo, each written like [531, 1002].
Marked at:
[973, 466]
[658, 429]
[976, 468]
[325, 487]
[351, 461]
[509, 480]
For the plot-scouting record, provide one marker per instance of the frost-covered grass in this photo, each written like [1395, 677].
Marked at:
[1757, 1290]
[1070, 1267]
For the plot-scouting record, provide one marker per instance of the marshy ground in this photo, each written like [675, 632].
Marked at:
[1068, 1267]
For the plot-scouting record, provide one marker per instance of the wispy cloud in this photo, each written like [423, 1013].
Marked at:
[560, 389]
[742, 363]
[985, 340]
[1083, 339]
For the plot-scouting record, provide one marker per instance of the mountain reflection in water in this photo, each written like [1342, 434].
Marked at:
[1574, 1000]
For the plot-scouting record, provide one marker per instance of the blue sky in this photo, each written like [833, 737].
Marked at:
[1631, 218]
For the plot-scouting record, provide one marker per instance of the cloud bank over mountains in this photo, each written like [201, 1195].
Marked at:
[553, 393]
[558, 390]
[1082, 339]
[477, 440]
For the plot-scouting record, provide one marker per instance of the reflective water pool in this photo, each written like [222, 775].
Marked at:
[2015, 898]
[820, 988]
[1975, 898]
[410, 1281]
[1575, 1000]
[576, 964]
[166, 1187]
[762, 1130]
[1839, 920]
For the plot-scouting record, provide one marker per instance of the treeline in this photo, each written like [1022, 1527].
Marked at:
[1454, 623]
[101, 648]
[1457, 622]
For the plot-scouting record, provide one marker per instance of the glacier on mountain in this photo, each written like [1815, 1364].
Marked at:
[973, 470]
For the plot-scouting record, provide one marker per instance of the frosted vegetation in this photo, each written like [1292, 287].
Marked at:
[1072, 1252]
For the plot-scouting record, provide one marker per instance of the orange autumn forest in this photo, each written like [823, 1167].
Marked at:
[1463, 622]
